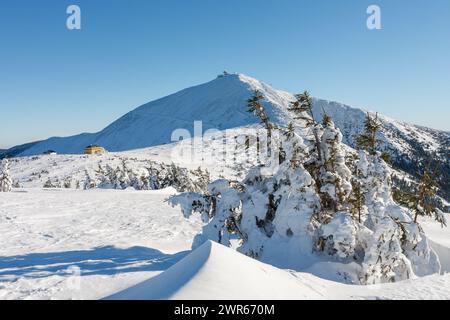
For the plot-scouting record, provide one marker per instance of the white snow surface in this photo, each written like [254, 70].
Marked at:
[116, 238]
[210, 273]
[121, 241]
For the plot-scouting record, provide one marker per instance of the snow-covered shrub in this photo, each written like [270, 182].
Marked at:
[5, 176]
[145, 176]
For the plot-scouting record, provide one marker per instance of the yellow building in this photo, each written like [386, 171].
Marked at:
[94, 149]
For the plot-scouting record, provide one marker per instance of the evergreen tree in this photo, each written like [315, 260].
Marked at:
[49, 184]
[368, 139]
[89, 183]
[421, 200]
[256, 107]
[335, 176]
[302, 107]
[357, 199]
[5, 177]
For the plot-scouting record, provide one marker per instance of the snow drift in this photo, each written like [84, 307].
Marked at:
[214, 271]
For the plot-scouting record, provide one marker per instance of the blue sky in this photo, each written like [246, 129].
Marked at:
[54, 81]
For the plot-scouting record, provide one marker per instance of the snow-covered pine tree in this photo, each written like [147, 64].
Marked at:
[357, 200]
[398, 248]
[201, 179]
[106, 177]
[89, 183]
[67, 182]
[335, 176]
[5, 176]
[48, 184]
[280, 214]
[255, 106]
[421, 199]
[261, 210]
[302, 108]
[368, 139]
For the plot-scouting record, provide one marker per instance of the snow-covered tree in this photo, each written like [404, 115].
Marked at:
[357, 200]
[368, 139]
[89, 182]
[256, 107]
[5, 176]
[421, 199]
[302, 108]
[335, 176]
[313, 202]
[262, 209]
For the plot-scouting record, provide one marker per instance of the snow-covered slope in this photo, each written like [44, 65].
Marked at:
[75, 244]
[410, 146]
[219, 104]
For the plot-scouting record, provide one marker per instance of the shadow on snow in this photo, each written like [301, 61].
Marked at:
[107, 260]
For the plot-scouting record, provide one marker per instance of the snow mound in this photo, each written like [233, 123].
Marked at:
[214, 271]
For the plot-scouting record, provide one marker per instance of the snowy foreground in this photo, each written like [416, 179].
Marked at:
[76, 244]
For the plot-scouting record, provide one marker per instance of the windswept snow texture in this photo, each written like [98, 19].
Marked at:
[214, 272]
[122, 240]
[114, 238]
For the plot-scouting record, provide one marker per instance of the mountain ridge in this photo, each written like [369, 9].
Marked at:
[221, 104]
[200, 102]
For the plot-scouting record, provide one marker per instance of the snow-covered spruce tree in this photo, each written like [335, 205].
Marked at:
[398, 248]
[49, 184]
[261, 211]
[302, 108]
[335, 176]
[357, 200]
[285, 212]
[89, 182]
[256, 107]
[368, 139]
[421, 199]
[326, 161]
[5, 176]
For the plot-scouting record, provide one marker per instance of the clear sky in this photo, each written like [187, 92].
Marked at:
[54, 81]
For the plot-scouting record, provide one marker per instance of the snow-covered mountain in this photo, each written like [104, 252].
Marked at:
[221, 104]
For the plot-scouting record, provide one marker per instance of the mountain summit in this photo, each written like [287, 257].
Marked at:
[219, 104]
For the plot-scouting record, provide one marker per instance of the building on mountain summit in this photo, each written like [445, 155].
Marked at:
[94, 149]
